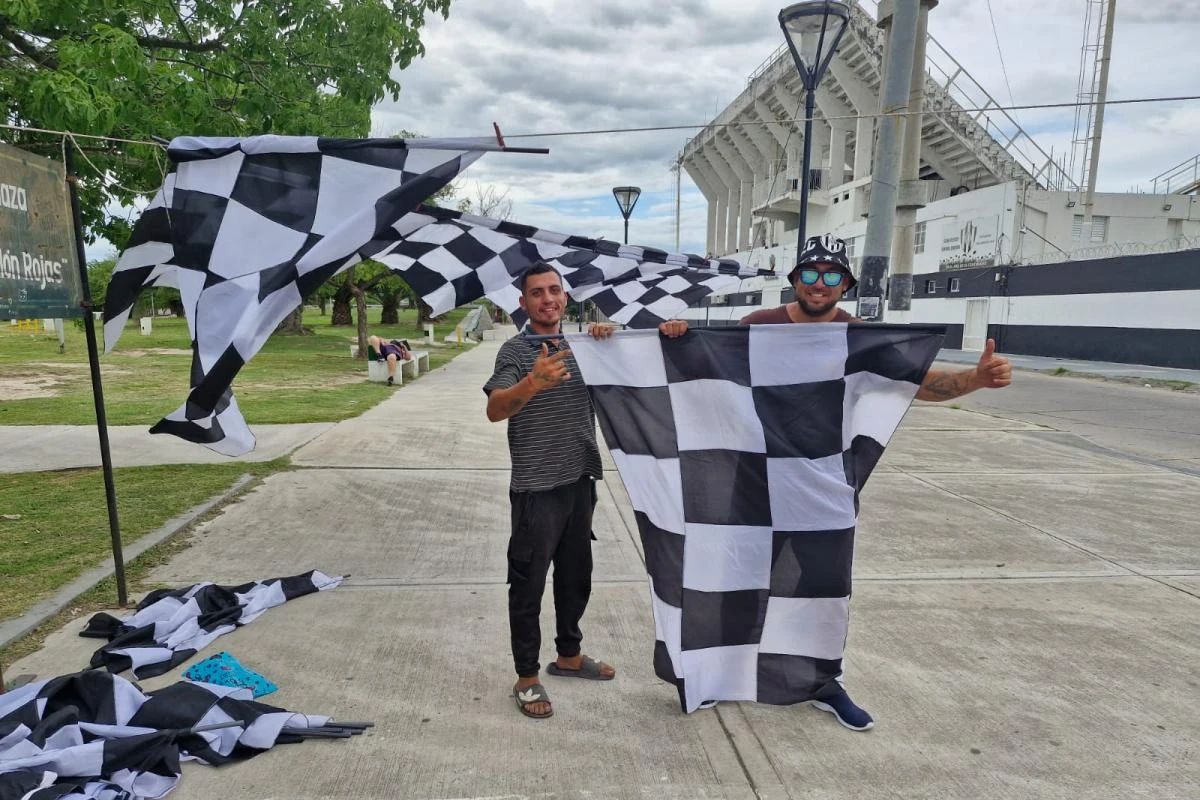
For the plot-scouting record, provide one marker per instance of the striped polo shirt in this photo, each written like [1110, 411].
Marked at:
[552, 440]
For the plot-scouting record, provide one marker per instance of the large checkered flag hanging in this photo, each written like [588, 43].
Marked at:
[450, 259]
[744, 451]
[246, 228]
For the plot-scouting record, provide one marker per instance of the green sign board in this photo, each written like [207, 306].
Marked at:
[39, 270]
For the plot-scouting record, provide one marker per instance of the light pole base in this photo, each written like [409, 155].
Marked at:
[900, 290]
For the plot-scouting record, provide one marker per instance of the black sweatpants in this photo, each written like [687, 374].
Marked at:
[554, 526]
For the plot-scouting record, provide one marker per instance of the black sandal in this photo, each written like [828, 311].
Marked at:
[589, 669]
[530, 695]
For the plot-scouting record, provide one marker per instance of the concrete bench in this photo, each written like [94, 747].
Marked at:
[410, 369]
[377, 372]
[421, 359]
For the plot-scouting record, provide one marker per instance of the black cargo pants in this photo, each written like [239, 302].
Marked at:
[549, 527]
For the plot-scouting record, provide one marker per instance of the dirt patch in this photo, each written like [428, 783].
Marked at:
[27, 387]
[326, 380]
[19, 383]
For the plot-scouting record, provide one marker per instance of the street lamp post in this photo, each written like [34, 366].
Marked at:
[626, 197]
[813, 30]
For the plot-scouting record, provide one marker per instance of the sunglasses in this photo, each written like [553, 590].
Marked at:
[832, 278]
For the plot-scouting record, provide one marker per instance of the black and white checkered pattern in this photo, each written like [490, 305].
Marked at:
[743, 451]
[450, 259]
[171, 625]
[96, 736]
[246, 228]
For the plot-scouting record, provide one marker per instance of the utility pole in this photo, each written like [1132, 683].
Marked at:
[899, 19]
[911, 193]
[678, 171]
[1098, 127]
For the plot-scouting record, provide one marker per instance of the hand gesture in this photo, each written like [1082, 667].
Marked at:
[673, 328]
[601, 330]
[549, 370]
[992, 371]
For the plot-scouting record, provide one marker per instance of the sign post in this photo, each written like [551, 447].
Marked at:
[43, 274]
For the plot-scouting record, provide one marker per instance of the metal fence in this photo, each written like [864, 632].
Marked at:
[1116, 249]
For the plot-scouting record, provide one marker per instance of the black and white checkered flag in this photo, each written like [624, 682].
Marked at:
[743, 451]
[246, 228]
[97, 736]
[171, 625]
[450, 259]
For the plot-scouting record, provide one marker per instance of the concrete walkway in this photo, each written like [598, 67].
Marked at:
[34, 448]
[1026, 625]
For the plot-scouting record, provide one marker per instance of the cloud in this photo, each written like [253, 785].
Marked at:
[1156, 13]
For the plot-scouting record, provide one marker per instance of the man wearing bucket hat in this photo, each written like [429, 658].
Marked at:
[820, 278]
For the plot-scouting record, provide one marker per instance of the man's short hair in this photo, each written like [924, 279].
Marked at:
[538, 268]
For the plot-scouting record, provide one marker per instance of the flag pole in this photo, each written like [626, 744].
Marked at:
[89, 327]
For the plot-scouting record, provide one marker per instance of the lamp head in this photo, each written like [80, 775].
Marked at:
[627, 197]
[813, 29]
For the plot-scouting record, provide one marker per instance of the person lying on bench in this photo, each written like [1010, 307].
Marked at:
[392, 352]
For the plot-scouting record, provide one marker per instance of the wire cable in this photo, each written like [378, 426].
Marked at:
[103, 175]
[714, 125]
[879, 115]
[1000, 52]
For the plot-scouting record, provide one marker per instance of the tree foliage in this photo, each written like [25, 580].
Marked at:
[139, 68]
[157, 299]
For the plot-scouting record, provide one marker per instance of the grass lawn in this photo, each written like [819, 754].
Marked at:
[292, 379]
[55, 524]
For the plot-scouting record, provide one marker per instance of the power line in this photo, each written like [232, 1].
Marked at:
[703, 125]
[693, 126]
[31, 129]
[999, 52]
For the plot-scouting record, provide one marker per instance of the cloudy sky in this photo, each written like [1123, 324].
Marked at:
[542, 66]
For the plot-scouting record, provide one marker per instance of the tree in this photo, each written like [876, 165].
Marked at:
[375, 279]
[323, 295]
[486, 201]
[293, 324]
[390, 290]
[99, 274]
[341, 297]
[372, 277]
[135, 68]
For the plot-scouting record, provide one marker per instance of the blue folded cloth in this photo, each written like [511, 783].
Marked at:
[224, 670]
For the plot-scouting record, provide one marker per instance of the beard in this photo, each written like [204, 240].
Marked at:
[811, 310]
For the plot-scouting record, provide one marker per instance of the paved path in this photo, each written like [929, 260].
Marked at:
[1026, 622]
[33, 448]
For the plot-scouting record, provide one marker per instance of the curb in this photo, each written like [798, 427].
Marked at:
[13, 629]
[1102, 370]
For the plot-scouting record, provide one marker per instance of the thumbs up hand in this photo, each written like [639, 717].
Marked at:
[992, 371]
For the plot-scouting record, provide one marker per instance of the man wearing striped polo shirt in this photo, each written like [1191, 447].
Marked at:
[555, 464]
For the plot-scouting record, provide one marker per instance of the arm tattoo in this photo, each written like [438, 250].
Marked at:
[945, 385]
[513, 405]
